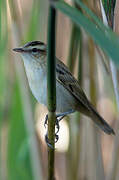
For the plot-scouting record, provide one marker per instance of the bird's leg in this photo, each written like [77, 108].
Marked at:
[59, 117]
[62, 115]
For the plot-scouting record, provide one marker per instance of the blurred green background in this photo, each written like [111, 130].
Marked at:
[83, 152]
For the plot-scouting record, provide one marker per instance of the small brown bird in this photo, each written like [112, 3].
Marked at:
[69, 95]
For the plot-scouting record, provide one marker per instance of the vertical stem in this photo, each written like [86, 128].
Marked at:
[96, 152]
[77, 114]
[80, 58]
[73, 155]
[51, 91]
[113, 166]
[92, 71]
[16, 36]
[73, 48]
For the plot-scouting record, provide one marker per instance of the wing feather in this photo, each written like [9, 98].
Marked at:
[64, 77]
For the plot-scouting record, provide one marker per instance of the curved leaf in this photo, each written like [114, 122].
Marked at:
[104, 37]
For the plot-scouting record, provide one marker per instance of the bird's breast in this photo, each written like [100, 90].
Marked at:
[38, 84]
[37, 79]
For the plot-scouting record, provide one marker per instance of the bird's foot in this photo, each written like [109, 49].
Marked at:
[59, 117]
[56, 133]
[48, 142]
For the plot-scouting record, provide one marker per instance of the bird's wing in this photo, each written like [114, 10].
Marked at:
[64, 77]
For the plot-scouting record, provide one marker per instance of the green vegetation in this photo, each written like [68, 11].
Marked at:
[91, 47]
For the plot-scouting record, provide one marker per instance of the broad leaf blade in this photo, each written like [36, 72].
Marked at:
[106, 39]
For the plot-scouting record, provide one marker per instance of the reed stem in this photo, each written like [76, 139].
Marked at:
[51, 93]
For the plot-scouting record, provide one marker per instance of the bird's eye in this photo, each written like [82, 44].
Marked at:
[34, 50]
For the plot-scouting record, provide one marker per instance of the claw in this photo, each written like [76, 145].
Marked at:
[57, 125]
[56, 138]
[47, 141]
[46, 121]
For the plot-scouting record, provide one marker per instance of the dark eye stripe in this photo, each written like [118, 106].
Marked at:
[35, 50]
[42, 50]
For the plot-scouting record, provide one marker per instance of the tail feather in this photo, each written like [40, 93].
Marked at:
[101, 122]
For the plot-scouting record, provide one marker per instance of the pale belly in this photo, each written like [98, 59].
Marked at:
[65, 102]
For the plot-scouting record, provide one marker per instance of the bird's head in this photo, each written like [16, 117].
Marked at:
[34, 50]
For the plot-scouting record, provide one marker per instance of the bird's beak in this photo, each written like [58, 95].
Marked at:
[18, 50]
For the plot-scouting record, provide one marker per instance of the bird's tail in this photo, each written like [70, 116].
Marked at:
[100, 122]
